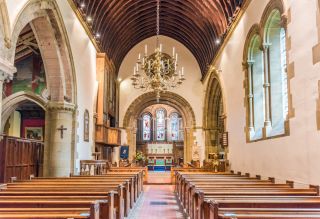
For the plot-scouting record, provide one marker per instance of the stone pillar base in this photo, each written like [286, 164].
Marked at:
[59, 147]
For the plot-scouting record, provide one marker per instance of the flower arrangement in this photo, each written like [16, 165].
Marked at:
[140, 156]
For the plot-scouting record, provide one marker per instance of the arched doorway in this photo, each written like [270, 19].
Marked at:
[39, 28]
[172, 100]
[26, 121]
[214, 119]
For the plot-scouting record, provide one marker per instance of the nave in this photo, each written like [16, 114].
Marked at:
[198, 109]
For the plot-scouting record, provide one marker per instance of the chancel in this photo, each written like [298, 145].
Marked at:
[201, 109]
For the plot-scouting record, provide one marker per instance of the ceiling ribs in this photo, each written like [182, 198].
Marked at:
[197, 24]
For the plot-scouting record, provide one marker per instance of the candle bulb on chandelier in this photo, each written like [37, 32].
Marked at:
[146, 50]
[182, 71]
[173, 51]
[176, 57]
[160, 48]
[139, 56]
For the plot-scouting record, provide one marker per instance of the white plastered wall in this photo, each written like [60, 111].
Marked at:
[192, 89]
[84, 57]
[295, 157]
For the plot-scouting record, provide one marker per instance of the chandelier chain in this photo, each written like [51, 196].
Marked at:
[158, 21]
[158, 71]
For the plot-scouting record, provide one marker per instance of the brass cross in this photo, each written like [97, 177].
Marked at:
[61, 129]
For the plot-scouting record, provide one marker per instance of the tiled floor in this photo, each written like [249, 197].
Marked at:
[159, 177]
[157, 201]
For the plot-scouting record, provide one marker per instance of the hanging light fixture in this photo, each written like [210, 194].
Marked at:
[158, 71]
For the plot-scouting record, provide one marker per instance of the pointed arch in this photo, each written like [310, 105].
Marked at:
[10, 103]
[50, 32]
[169, 98]
[214, 116]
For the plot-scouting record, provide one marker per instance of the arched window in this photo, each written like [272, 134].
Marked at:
[174, 127]
[255, 88]
[275, 39]
[161, 124]
[284, 71]
[146, 127]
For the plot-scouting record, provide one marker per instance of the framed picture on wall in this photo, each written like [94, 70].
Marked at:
[86, 126]
[34, 133]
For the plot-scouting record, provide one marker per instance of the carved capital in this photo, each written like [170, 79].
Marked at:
[266, 85]
[61, 106]
[6, 70]
[250, 62]
[266, 46]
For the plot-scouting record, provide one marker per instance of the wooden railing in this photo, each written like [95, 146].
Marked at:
[107, 135]
[20, 158]
[93, 167]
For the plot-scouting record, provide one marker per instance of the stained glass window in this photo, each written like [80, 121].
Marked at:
[174, 123]
[146, 127]
[161, 124]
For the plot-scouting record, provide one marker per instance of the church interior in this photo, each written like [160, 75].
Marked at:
[132, 109]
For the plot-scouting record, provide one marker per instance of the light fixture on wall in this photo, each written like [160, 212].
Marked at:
[158, 71]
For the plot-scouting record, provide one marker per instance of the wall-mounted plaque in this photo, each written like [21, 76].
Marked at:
[224, 141]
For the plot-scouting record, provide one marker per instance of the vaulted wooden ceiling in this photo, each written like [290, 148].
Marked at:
[197, 24]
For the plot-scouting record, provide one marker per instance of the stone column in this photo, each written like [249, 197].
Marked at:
[188, 144]
[116, 155]
[60, 139]
[6, 74]
[250, 96]
[131, 139]
[266, 86]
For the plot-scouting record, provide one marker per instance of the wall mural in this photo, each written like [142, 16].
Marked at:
[30, 76]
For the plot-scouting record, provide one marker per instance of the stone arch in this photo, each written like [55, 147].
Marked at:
[255, 35]
[271, 8]
[4, 26]
[47, 24]
[214, 116]
[168, 98]
[254, 30]
[10, 103]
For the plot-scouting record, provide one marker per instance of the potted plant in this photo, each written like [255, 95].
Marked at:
[140, 158]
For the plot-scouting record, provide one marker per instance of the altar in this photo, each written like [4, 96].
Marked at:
[160, 156]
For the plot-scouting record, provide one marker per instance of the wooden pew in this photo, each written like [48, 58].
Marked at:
[273, 206]
[195, 189]
[66, 191]
[121, 202]
[98, 209]
[28, 213]
[130, 169]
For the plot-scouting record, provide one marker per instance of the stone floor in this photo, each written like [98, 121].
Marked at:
[157, 201]
[159, 177]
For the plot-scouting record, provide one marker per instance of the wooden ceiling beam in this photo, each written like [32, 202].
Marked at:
[196, 24]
